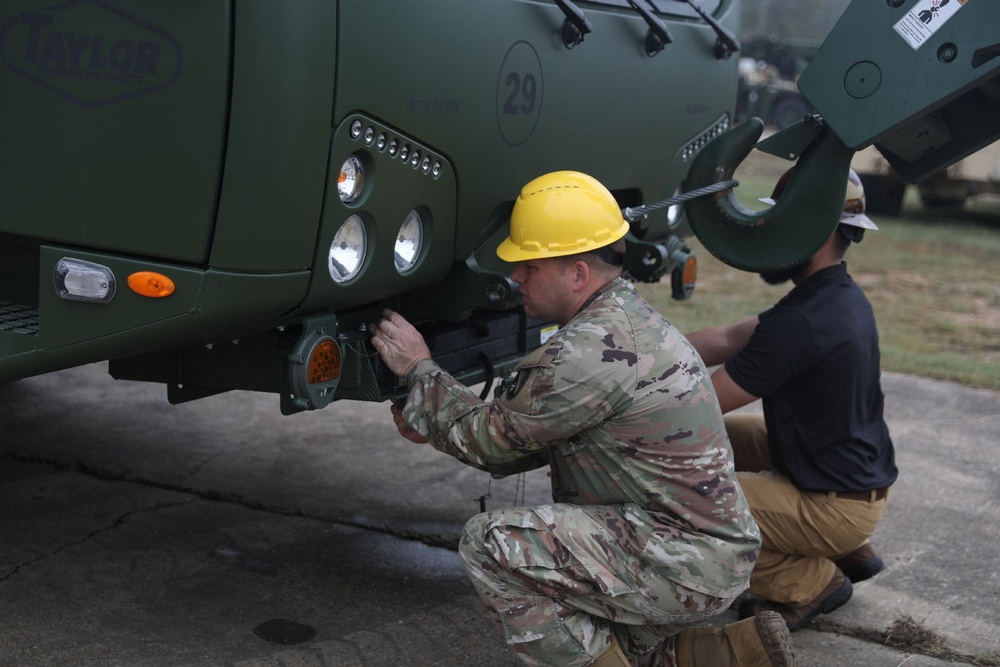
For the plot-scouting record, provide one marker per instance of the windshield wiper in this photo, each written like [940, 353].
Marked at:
[658, 35]
[726, 44]
[575, 25]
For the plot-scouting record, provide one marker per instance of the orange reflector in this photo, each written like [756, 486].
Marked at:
[151, 284]
[683, 277]
[691, 271]
[324, 362]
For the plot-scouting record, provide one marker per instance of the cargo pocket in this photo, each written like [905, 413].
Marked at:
[567, 547]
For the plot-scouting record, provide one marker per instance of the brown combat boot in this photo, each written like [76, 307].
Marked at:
[834, 596]
[613, 657]
[761, 641]
[861, 564]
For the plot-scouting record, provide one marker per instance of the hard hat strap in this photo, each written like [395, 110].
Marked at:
[610, 255]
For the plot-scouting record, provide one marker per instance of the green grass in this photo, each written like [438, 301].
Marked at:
[933, 280]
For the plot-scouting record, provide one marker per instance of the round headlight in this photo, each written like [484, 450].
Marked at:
[347, 252]
[409, 241]
[350, 180]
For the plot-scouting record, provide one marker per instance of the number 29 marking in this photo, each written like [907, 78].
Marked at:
[523, 89]
[519, 93]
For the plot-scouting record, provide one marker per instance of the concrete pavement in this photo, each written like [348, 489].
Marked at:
[133, 532]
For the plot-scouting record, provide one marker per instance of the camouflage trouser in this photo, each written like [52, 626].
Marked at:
[560, 584]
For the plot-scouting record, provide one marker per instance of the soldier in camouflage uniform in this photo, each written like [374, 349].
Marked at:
[649, 534]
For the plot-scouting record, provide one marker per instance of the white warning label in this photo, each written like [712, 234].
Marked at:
[924, 19]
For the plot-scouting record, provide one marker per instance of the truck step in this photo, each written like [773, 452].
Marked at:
[18, 318]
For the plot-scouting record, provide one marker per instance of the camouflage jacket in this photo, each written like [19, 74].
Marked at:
[619, 404]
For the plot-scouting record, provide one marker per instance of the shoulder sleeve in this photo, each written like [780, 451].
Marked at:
[781, 348]
[571, 385]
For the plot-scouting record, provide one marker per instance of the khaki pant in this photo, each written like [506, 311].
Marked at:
[803, 532]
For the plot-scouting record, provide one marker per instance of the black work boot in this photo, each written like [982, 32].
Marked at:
[835, 595]
[861, 564]
[761, 641]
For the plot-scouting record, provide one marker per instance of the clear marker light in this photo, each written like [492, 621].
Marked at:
[78, 280]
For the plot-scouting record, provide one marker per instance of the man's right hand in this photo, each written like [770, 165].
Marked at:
[398, 343]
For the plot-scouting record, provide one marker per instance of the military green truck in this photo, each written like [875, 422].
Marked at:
[222, 195]
[767, 86]
[763, 92]
[973, 176]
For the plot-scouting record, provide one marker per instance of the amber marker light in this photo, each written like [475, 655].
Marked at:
[313, 370]
[684, 278]
[691, 271]
[151, 284]
[324, 362]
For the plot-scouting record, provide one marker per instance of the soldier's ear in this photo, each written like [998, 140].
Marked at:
[581, 275]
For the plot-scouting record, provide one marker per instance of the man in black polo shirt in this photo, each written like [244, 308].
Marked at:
[817, 467]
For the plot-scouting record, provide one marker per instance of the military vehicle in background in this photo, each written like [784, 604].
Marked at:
[977, 174]
[917, 79]
[769, 70]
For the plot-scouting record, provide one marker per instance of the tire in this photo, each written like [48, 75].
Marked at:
[883, 193]
[943, 193]
[943, 203]
[789, 110]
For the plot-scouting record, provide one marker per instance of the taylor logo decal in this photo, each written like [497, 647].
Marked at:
[89, 52]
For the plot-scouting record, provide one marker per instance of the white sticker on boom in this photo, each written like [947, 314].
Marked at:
[923, 20]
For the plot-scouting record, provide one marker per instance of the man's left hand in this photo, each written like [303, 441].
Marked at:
[405, 429]
[398, 343]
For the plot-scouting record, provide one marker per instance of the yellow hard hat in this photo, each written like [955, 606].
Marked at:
[562, 213]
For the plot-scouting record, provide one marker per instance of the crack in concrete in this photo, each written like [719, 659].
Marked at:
[907, 636]
[122, 475]
[435, 540]
[196, 468]
[117, 523]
